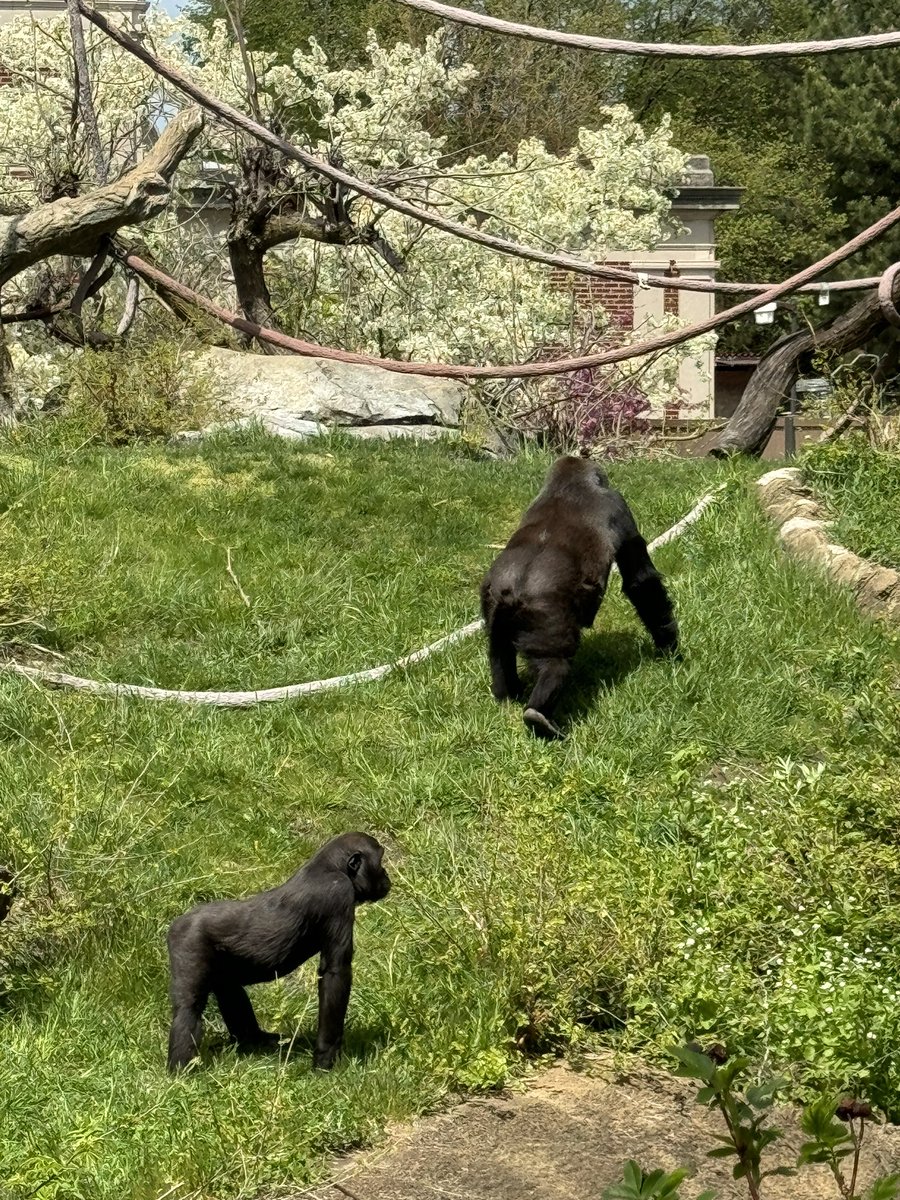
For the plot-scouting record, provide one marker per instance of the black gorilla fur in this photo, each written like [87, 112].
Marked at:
[221, 947]
[7, 891]
[548, 582]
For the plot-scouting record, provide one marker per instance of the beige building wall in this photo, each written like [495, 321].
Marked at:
[688, 252]
[692, 253]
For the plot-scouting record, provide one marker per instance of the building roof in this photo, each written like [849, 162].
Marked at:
[699, 191]
[9, 9]
[715, 199]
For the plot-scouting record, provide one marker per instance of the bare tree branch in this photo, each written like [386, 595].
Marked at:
[179, 303]
[34, 314]
[287, 226]
[83, 92]
[236, 20]
[84, 284]
[132, 296]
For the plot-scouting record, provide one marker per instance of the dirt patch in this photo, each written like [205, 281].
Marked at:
[567, 1136]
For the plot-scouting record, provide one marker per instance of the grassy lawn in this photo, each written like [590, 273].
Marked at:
[861, 487]
[713, 851]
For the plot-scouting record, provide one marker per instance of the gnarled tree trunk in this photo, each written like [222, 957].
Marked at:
[7, 408]
[751, 426]
[246, 254]
[269, 208]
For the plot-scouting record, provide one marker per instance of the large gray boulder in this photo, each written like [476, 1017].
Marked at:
[293, 395]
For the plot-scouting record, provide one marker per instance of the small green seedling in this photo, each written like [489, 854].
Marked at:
[658, 1185]
[835, 1133]
[834, 1142]
[745, 1115]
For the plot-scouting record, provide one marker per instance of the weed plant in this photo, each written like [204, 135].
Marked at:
[834, 1130]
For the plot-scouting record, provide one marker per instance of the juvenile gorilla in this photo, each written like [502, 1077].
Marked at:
[223, 946]
[548, 582]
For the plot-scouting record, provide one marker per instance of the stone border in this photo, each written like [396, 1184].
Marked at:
[803, 530]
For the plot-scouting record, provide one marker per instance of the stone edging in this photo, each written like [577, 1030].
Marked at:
[803, 530]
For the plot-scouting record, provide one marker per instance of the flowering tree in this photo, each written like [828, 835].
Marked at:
[47, 207]
[343, 271]
[39, 129]
[71, 225]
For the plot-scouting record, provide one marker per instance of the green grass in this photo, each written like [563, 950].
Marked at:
[861, 487]
[713, 851]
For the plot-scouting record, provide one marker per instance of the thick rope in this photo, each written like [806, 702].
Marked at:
[567, 262]
[583, 41]
[559, 366]
[294, 690]
[886, 301]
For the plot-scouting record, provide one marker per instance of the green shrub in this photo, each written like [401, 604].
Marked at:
[860, 484]
[145, 391]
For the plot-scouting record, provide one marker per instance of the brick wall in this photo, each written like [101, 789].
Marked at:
[5, 76]
[615, 297]
[670, 301]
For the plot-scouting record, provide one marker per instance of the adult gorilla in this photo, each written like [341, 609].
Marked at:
[547, 584]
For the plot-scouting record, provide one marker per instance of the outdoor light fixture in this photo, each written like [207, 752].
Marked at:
[765, 315]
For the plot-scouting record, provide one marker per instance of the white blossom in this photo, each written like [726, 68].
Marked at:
[455, 302]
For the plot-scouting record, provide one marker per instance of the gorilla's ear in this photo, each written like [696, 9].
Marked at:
[354, 864]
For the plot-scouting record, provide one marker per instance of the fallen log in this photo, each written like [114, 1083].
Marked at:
[75, 226]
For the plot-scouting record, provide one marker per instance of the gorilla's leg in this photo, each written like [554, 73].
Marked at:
[240, 1019]
[505, 681]
[335, 978]
[643, 585]
[187, 1025]
[551, 675]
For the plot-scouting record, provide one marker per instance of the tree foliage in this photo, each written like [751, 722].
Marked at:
[811, 140]
[321, 260]
[853, 121]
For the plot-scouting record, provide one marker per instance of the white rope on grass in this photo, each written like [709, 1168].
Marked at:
[293, 690]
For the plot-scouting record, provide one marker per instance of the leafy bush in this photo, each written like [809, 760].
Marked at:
[144, 391]
[834, 1128]
[592, 407]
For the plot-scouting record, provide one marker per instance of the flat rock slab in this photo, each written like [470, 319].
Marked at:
[293, 393]
[567, 1137]
[298, 431]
